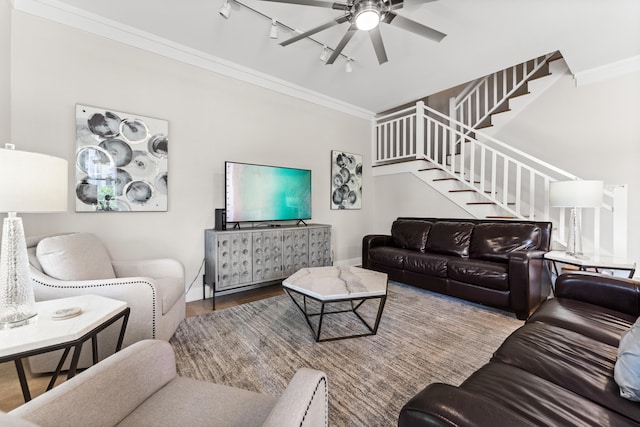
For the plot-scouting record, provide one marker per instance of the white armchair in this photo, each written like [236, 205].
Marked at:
[139, 386]
[76, 264]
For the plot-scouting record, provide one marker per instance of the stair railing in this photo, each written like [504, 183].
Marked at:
[513, 180]
[484, 96]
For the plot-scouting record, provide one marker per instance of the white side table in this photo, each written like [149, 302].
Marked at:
[47, 334]
[590, 262]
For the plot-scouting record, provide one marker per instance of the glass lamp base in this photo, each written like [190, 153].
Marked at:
[17, 302]
[17, 321]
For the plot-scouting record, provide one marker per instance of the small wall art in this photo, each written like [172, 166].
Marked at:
[121, 161]
[346, 180]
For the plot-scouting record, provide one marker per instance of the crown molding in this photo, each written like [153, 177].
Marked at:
[608, 71]
[63, 13]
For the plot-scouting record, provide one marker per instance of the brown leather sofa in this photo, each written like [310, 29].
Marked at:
[556, 370]
[493, 262]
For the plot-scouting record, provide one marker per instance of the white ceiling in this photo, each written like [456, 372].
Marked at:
[482, 37]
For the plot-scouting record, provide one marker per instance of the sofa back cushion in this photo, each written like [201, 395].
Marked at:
[450, 238]
[77, 256]
[494, 242]
[410, 234]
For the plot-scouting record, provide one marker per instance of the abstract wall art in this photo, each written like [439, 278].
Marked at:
[346, 180]
[121, 161]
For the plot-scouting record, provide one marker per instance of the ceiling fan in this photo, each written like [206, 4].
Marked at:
[364, 15]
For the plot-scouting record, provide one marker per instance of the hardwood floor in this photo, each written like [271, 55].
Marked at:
[11, 394]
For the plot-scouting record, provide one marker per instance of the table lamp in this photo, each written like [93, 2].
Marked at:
[575, 194]
[29, 182]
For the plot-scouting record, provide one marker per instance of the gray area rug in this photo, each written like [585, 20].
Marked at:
[423, 337]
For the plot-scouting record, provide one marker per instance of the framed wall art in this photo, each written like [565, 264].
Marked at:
[121, 161]
[346, 180]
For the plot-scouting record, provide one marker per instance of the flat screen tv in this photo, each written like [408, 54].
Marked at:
[256, 193]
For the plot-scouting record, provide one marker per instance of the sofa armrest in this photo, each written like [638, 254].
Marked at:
[446, 405]
[371, 241]
[304, 403]
[154, 268]
[611, 292]
[140, 293]
[529, 281]
[106, 393]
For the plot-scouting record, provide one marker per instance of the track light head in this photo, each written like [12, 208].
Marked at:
[225, 10]
[348, 68]
[273, 32]
[325, 54]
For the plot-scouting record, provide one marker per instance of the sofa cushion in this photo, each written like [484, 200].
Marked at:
[450, 238]
[627, 367]
[388, 256]
[486, 274]
[597, 322]
[494, 242]
[410, 234]
[539, 401]
[77, 256]
[207, 404]
[431, 264]
[573, 361]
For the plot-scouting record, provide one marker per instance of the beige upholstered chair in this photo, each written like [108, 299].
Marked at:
[78, 263]
[139, 386]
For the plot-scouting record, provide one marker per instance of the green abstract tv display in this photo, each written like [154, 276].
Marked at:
[256, 193]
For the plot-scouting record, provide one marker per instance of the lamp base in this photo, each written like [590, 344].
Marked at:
[574, 241]
[17, 301]
[6, 322]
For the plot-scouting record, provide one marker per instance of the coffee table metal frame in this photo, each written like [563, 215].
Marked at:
[67, 346]
[323, 302]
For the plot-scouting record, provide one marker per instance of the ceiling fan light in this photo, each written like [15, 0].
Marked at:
[368, 17]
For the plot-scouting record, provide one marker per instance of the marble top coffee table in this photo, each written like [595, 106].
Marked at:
[332, 285]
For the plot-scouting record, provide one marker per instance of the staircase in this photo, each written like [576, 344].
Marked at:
[457, 156]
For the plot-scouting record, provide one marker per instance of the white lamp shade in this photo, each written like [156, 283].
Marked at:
[576, 194]
[32, 182]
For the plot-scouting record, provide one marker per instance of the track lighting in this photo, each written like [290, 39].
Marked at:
[225, 10]
[273, 33]
[274, 30]
[348, 68]
[325, 54]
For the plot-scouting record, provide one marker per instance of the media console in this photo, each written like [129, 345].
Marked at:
[241, 259]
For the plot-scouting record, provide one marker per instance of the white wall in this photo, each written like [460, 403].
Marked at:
[5, 72]
[591, 131]
[406, 195]
[211, 119]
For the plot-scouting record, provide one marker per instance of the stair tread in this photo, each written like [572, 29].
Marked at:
[487, 203]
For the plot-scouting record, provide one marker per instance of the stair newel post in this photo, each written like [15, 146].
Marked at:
[421, 142]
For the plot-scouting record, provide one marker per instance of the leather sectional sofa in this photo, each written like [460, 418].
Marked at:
[493, 262]
[556, 370]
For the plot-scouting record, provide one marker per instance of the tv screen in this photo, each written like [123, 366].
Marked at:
[266, 193]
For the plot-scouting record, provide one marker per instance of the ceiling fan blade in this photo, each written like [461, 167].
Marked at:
[414, 27]
[317, 29]
[397, 4]
[316, 3]
[378, 45]
[343, 42]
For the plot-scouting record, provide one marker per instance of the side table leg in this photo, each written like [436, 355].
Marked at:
[23, 380]
[74, 361]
